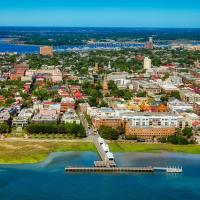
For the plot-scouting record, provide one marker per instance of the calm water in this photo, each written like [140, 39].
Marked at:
[48, 181]
[28, 49]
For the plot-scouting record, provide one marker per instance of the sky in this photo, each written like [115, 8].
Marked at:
[101, 13]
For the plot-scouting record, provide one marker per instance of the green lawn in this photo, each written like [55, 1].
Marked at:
[16, 152]
[151, 148]
[32, 152]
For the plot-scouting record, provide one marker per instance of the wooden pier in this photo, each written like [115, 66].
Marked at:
[109, 169]
[107, 163]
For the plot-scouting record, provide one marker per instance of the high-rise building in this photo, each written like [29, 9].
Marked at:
[46, 51]
[147, 63]
[149, 44]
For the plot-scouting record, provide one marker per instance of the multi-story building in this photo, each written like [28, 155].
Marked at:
[152, 125]
[54, 75]
[110, 121]
[104, 117]
[178, 106]
[192, 119]
[196, 108]
[70, 116]
[23, 118]
[46, 51]
[43, 118]
[121, 79]
[149, 87]
[67, 103]
[168, 87]
[147, 63]
[189, 96]
[83, 107]
[18, 71]
[149, 44]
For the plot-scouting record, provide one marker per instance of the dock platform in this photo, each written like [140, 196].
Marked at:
[109, 169]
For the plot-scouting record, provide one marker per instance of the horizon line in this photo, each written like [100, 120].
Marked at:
[122, 27]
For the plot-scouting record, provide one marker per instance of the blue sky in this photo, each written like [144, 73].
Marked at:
[111, 13]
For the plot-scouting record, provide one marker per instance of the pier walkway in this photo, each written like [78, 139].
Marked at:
[109, 169]
[103, 155]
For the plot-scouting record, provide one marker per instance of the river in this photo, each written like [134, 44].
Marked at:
[48, 181]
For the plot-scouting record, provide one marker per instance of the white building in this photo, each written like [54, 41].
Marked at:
[121, 79]
[70, 116]
[23, 118]
[147, 63]
[148, 120]
[177, 106]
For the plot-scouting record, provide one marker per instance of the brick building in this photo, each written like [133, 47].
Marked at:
[152, 125]
[46, 51]
[113, 122]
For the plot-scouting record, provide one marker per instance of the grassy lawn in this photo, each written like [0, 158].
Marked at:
[152, 148]
[31, 152]
[16, 152]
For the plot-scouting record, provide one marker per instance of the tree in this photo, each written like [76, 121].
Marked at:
[4, 128]
[68, 128]
[163, 139]
[142, 94]
[172, 139]
[182, 140]
[187, 131]
[108, 133]
[175, 94]
[177, 139]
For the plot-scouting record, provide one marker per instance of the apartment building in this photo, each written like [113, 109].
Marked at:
[152, 125]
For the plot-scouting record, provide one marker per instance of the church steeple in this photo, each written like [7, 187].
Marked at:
[105, 83]
[96, 68]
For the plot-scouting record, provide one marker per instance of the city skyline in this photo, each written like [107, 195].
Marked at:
[127, 13]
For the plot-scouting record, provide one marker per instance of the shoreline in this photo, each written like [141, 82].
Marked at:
[31, 152]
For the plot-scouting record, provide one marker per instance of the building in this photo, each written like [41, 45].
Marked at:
[152, 125]
[195, 48]
[197, 64]
[70, 116]
[188, 95]
[104, 117]
[105, 84]
[18, 71]
[147, 63]
[23, 118]
[177, 106]
[168, 87]
[67, 103]
[54, 75]
[192, 119]
[121, 79]
[196, 108]
[46, 51]
[149, 44]
[43, 118]
[147, 86]
[4, 115]
[110, 121]
[83, 107]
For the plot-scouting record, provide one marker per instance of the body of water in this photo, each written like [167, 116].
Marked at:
[48, 180]
[28, 49]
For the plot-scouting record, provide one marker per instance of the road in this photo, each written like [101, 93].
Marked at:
[89, 129]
